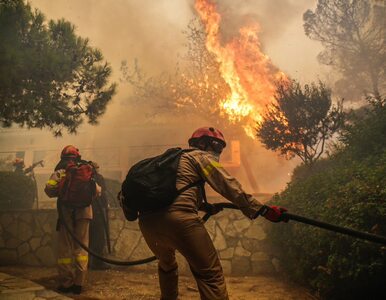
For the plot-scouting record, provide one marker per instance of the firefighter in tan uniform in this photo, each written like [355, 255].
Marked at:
[180, 228]
[70, 254]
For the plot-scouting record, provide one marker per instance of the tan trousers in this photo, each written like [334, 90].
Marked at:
[169, 231]
[70, 254]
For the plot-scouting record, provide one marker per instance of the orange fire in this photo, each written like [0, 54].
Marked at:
[249, 73]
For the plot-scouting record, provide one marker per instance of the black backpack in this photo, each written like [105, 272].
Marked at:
[150, 184]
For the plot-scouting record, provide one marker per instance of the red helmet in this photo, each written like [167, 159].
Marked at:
[70, 151]
[208, 132]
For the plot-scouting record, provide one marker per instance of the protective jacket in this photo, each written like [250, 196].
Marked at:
[205, 165]
[70, 255]
[179, 227]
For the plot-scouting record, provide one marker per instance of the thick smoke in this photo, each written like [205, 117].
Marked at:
[151, 31]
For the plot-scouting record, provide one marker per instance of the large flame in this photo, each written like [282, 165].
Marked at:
[249, 73]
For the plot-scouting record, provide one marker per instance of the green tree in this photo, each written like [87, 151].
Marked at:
[353, 34]
[301, 121]
[49, 77]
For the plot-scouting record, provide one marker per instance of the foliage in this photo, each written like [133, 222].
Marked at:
[365, 134]
[16, 191]
[347, 189]
[301, 121]
[49, 77]
[193, 88]
[352, 33]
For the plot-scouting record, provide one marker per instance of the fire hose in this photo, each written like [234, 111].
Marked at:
[348, 231]
[344, 230]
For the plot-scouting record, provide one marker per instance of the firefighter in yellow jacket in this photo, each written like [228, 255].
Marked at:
[180, 228]
[70, 255]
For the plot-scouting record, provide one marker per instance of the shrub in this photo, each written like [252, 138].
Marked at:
[347, 189]
[16, 191]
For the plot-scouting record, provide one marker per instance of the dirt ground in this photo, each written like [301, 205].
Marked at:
[129, 284]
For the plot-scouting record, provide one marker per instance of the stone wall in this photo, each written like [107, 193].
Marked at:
[28, 237]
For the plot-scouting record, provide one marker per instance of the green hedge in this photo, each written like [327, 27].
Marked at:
[16, 191]
[347, 189]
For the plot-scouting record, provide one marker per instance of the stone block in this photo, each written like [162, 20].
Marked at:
[227, 253]
[34, 243]
[251, 245]
[41, 219]
[222, 222]
[115, 228]
[259, 256]
[219, 240]
[232, 241]
[47, 228]
[255, 231]
[45, 240]
[12, 228]
[24, 231]
[131, 225]
[12, 243]
[26, 217]
[8, 257]
[6, 219]
[210, 227]
[46, 256]
[23, 249]
[241, 225]
[227, 267]
[241, 266]
[231, 230]
[240, 251]
[141, 250]
[30, 260]
[126, 243]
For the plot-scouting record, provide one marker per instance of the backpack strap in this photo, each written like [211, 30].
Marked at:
[190, 185]
[200, 183]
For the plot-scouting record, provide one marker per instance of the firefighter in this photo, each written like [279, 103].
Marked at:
[179, 227]
[70, 255]
[99, 229]
[19, 165]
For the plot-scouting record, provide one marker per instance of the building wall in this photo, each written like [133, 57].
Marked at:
[29, 238]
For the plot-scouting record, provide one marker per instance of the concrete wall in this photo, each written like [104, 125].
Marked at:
[29, 238]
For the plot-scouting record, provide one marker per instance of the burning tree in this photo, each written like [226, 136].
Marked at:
[194, 87]
[353, 34]
[227, 83]
[301, 121]
[49, 77]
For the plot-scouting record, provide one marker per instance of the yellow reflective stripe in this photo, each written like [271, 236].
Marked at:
[65, 261]
[209, 168]
[52, 182]
[82, 258]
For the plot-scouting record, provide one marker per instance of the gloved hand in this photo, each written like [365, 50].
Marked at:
[273, 213]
